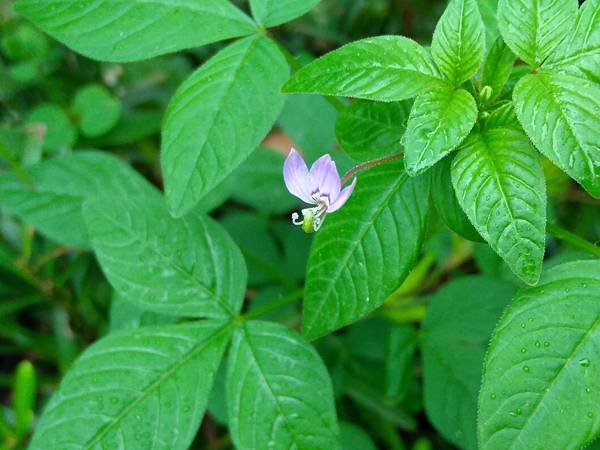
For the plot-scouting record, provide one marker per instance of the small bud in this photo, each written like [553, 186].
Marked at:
[308, 226]
[486, 93]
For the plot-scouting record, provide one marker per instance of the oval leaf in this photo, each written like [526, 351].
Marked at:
[458, 43]
[438, 123]
[207, 132]
[499, 183]
[185, 267]
[456, 330]
[561, 116]
[279, 393]
[533, 29]
[110, 30]
[368, 130]
[365, 250]
[384, 68]
[497, 68]
[541, 383]
[137, 390]
[55, 190]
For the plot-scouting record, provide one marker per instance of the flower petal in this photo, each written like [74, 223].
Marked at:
[342, 198]
[295, 176]
[324, 177]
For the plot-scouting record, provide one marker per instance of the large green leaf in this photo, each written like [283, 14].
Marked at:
[384, 68]
[446, 204]
[186, 267]
[533, 29]
[561, 115]
[439, 121]
[219, 116]
[579, 53]
[541, 383]
[137, 390]
[368, 130]
[499, 183]
[51, 199]
[132, 30]
[270, 13]
[279, 393]
[365, 250]
[497, 68]
[456, 330]
[458, 43]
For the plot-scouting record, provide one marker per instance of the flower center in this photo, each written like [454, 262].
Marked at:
[313, 218]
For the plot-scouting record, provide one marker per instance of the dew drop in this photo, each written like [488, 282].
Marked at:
[546, 344]
[584, 362]
[588, 390]
[526, 369]
[523, 325]
[493, 396]
[538, 344]
[590, 414]
[523, 350]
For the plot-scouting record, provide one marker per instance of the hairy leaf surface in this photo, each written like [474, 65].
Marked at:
[279, 393]
[541, 383]
[137, 390]
[384, 68]
[365, 250]
[218, 116]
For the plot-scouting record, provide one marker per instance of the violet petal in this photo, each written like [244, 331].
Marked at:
[296, 178]
[324, 177]
[341, 199]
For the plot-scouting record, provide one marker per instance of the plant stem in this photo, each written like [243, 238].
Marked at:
[283, 301]
[573, 239]
[369, 164]
[14, 165]
[292, 61]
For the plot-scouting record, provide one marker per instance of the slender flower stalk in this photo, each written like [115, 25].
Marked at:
[320, 186]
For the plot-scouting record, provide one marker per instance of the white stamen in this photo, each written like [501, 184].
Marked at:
[295, 218]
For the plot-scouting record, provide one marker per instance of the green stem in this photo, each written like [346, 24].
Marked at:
[14, 165]
[292, 61]
[573, 239]
[369, 164]
[283, 301]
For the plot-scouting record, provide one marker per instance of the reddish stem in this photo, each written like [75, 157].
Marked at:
[368, 165]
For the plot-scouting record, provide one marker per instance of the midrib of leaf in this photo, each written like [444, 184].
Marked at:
[346, 257]
[176, 266]
[194, 351]
[266, 384]
[570, 127]
[190, 8]
[460, 33]
[434, 133]
[536, 24]
[217, 111]
[581, 342]
[583, 52]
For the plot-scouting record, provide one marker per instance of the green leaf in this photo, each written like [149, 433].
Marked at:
[51, 200]
[497, 68]
[384, 68]
[533, 29]
[446, 203]
[270, 13]
[97, 110]
[364, 251]
[125, 315]
[499, 184]
[207, 132]
[60, 135]
[355, 438]
[259, 182]
[401, 343]
[458, 44]
[439, 121]
[488, 9]
[368, 130]
[561, 115]
[138, 390]
[456, 330]
[137, 29]
[579, 53]
[541, 383]
[279, 393]
[185, 267]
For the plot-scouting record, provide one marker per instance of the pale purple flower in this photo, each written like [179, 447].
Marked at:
[320, 186]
